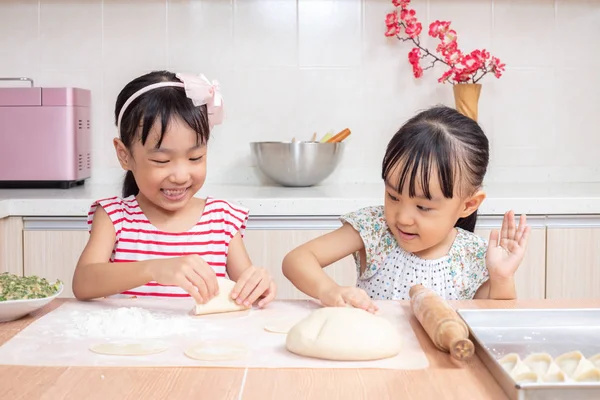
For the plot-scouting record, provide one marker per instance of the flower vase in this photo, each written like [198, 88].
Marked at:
[466, 98]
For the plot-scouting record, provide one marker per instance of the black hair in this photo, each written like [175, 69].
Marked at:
[443, 139]
[157, 105]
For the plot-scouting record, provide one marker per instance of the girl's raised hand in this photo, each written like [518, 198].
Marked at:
[254, 283]
[506, 248]
[191, 273]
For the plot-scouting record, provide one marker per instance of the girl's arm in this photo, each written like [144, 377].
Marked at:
[304, 265]
[94, 277]
[497, 290]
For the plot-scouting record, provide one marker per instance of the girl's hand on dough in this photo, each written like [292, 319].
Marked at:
[342, 296]
[191, 273]
[254, 283]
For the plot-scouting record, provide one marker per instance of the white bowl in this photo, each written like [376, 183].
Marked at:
[11, 310]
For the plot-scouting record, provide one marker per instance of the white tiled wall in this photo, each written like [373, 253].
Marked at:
[289, 68]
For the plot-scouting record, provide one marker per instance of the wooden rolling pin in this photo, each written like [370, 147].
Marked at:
[445, 328]
[340, 136]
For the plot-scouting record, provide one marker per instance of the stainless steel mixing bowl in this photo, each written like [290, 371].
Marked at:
[297, 164]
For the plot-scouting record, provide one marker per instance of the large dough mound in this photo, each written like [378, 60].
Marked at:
[222, 302]
[344, 334]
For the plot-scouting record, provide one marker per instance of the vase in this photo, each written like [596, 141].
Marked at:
[466, 98]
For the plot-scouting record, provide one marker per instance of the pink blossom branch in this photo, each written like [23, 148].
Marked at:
[418, 44]
[484, 71]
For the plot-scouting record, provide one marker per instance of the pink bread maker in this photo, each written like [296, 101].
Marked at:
[44, 136]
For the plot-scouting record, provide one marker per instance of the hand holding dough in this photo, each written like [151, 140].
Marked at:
[344, 334]
[222, 302]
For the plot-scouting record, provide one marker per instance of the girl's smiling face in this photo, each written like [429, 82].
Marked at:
[423, 224]
[170, 174]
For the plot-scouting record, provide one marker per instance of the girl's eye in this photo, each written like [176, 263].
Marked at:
[424, 208]
[159, 161]
[196, 159]
[392, 197]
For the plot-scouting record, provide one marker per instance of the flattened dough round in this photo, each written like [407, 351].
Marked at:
[129, 349]
[280, 326]
[221, 351]
[344, 334]
[222, 302]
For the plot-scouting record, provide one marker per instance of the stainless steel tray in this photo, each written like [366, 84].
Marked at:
[498, 332]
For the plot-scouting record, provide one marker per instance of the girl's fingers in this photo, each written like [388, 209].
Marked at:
[199, 283]
[511, 226]
[251, 284]
[493, 242]
[525, 237]
[521, 229]
[271, 293]
[209, 279]
[258, 291]
[504, 231]
[241, 282]
[191, 289]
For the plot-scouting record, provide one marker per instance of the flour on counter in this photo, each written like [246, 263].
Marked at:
[126, 322]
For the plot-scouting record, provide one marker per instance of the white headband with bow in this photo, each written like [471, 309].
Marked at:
[197, 88]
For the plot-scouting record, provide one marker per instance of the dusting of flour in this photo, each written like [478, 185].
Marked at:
[126, 322]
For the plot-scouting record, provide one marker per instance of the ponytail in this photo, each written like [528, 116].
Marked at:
[130, 187]
[467, 223]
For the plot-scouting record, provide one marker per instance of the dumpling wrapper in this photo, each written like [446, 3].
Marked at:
[222, 302]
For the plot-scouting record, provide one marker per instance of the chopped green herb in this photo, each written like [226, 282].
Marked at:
[14, 287]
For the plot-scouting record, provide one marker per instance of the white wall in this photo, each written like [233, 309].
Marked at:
[289, 68]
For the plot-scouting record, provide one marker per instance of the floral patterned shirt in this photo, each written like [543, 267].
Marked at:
[390, 271]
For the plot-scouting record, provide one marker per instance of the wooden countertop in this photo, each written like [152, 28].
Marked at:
[444, 379]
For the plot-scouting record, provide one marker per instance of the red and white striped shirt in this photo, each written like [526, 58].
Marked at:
[138, 240]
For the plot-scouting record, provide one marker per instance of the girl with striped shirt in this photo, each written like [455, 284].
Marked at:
[158, 239]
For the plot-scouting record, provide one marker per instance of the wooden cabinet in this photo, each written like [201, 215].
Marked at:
[573, 260]
[11, 245]
[562, 261]
[51, 251]
[53, 254]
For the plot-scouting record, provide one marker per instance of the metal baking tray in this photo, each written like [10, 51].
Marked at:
[498, 332]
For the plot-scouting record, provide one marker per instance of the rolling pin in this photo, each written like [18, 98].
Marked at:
[445, 328]
[340, 136]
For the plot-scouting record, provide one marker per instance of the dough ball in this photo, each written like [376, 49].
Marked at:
[221, 303]
[344, 334]
[216, 351]
[141, 348]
